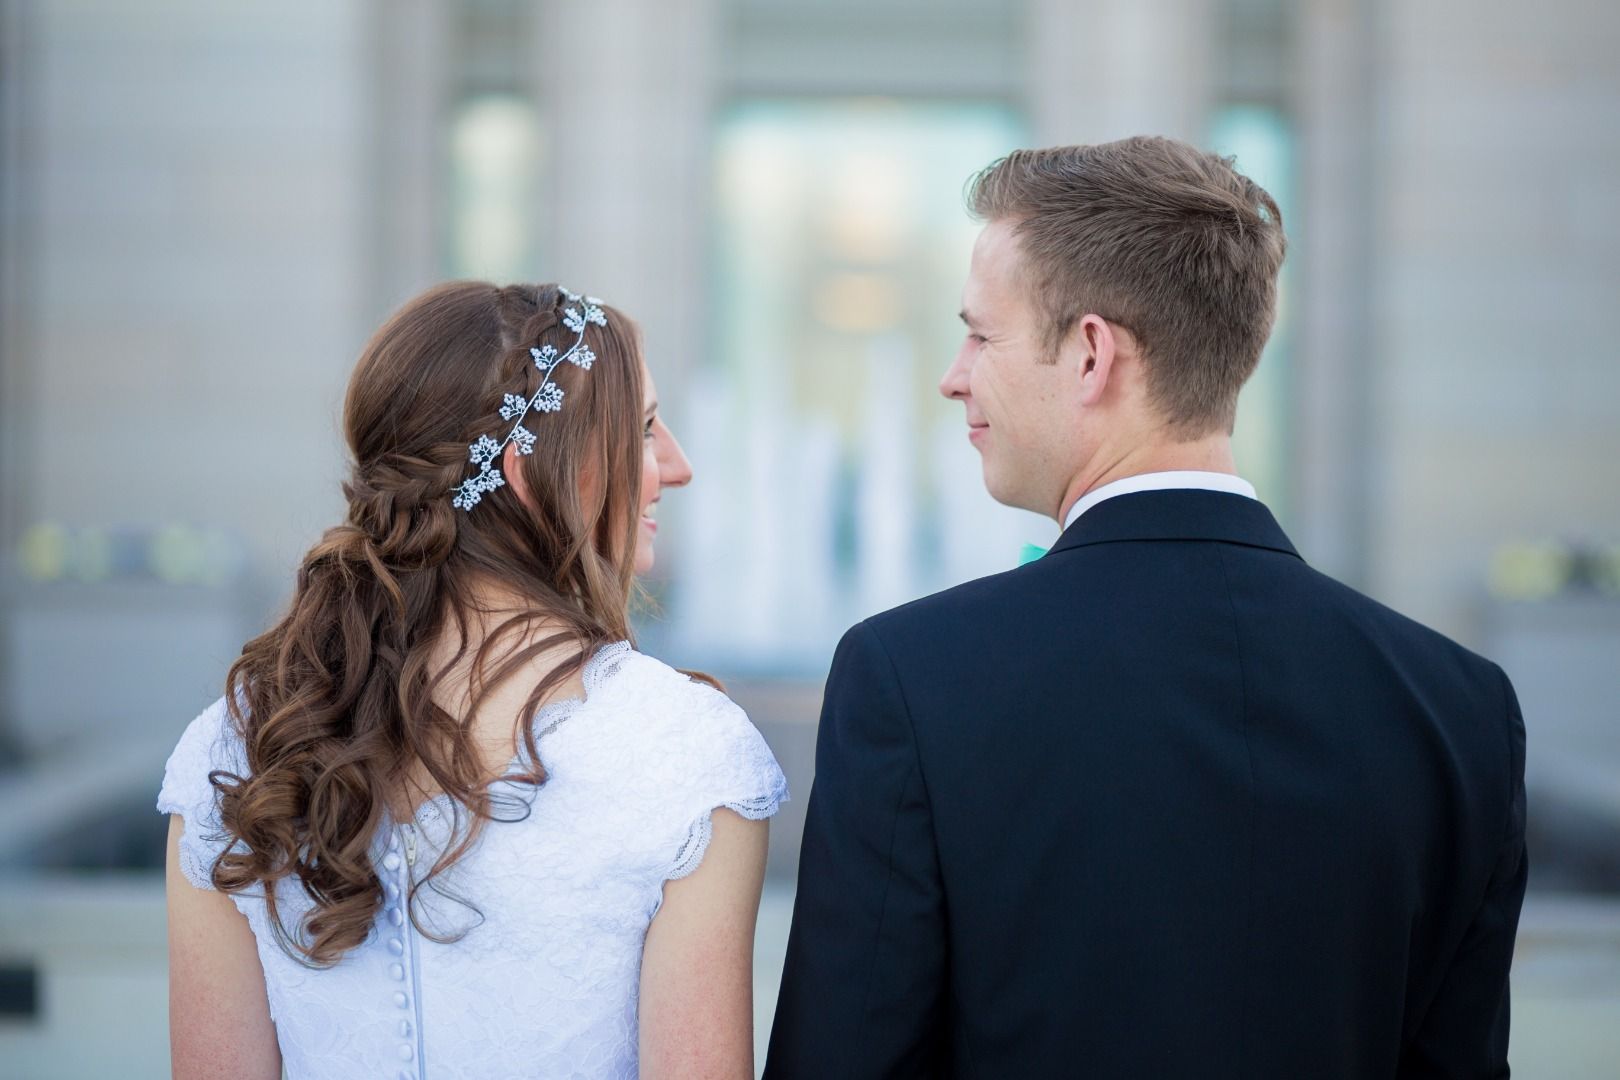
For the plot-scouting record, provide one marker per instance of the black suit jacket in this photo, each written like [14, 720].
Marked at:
[1164, 803]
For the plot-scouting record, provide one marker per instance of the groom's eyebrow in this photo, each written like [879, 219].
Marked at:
[965, 317]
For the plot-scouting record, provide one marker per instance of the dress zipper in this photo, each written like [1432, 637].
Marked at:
[408, 833]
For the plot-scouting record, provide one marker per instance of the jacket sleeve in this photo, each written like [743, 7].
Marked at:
[1465, 1032]
[863, 985]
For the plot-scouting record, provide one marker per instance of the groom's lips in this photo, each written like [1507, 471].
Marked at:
[975, 431]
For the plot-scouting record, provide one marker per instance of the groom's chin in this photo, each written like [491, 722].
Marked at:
[997, 488]
[1009, 494]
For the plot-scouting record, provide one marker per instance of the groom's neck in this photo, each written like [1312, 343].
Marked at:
[1212, 453]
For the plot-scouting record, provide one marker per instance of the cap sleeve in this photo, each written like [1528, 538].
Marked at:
[210, 742]
[717, 758]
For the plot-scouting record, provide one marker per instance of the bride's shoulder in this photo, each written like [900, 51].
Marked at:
[649, 682]
[210, 741]
[673, 712]
[210, 744]
[687, 748]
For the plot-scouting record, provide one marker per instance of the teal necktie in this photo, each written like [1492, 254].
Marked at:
[1030, 553]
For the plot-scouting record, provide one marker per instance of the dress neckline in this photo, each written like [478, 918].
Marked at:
[595, 674]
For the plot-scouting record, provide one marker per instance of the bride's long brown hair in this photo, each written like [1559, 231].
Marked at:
[335, 704]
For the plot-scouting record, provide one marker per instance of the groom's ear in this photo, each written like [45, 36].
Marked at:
[1095, 348]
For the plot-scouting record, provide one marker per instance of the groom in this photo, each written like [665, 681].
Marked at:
[1166, 802]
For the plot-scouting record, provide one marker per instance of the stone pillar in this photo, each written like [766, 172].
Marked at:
[183, 264]
[1495, 285]
[20, 130]
[409, 59]
[627, 90]
[187, 278]
[1335, 359]
[1105, 69]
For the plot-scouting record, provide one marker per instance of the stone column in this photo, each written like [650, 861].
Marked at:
[628, 90]
[408, 54]
[1105, 69]
[20, 130]
[1336, 359]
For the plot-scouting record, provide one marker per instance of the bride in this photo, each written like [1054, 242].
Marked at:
[446, 820]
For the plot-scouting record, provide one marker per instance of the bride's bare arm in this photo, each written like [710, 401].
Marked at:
[697, 968]
[219, 1018]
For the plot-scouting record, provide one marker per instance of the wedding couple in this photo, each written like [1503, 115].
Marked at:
[1164, 803]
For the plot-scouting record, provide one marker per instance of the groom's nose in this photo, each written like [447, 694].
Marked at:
[955, 383]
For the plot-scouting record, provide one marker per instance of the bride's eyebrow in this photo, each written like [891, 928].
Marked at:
[652, 409]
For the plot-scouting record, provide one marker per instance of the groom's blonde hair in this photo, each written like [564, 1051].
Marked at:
[1154, 235]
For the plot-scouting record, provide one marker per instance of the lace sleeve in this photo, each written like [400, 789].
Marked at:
[210, 742]
[724, 762]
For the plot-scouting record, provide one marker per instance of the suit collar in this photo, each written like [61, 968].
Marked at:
[1178, 515]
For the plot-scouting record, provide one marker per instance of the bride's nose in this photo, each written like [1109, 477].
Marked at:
[673, 468]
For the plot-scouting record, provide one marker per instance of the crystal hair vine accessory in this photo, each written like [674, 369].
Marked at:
[516, 407]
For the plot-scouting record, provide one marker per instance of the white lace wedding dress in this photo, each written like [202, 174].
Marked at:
[555, 897]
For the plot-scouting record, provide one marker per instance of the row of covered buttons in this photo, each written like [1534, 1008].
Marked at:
[395, 919]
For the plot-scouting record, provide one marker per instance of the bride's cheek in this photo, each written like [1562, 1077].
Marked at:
[649, 477]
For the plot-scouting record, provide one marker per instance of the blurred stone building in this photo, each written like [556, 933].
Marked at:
[205, 208]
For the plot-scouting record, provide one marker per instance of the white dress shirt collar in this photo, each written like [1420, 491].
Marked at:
[1161, 481]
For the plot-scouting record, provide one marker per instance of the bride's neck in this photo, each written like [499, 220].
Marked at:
[491, 720]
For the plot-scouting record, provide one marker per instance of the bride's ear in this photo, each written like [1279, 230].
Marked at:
[512, 470]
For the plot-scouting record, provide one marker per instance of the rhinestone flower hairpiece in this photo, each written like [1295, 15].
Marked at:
[549, 398]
